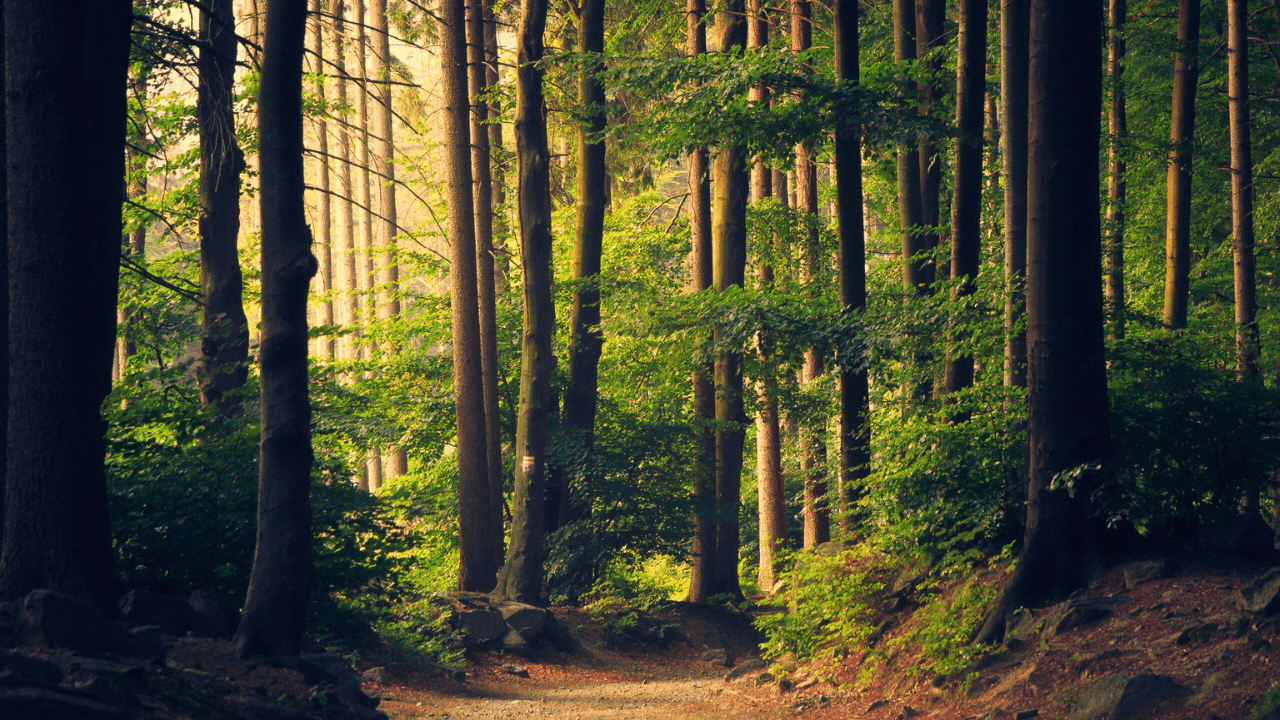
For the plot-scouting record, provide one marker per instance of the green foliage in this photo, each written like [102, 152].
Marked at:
[1269, 700]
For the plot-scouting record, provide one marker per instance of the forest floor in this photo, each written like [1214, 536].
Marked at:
[1186, 627]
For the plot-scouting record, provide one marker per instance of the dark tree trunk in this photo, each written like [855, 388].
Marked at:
[482, 175]
[729, 267]
[1014, 27]
[225, 342]
[702, 581]
[1177, 233]
[855, 424]
[586, 340]
[914, 278]
[930, 15]
[1116, 187]
[966, 207]
[275, 609]
[521, 576]
[477, 566]
[1067, 382]
[66, 67]
[1242, 194]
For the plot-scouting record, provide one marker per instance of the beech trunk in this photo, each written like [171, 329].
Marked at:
[1177, 232]
[1117, 123]
[1242, 245]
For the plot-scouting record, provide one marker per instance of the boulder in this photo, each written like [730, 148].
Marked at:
[1262, 595]
[335, 670]
[252, 708]
[524, 619]
[54, 619]
[718, 656]
[517, 670]
[1145, 571]
[1020, 625]
[480, 626]
[514, 642]
[148, 640]
[170, 613]
[743, 668]
[20, 669]
[55, 704]
[1119, 697]
[1077, 613]
[554, 632]
[1245, 535]
[378, 675]
[1196, 632]
[214, 615]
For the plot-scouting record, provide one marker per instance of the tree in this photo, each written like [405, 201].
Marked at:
[482, 175]
[324, 277]
[930, 15]
[585, 337]
[521, 576]
[1014, 27]
[909, 208]
[1186, 73]
[275, 608]
[1246, 300]
[1116, 185]
[1067, 383]
[729, 267]
[225, 345]
[347, 272]
[966, 207]
[66, 68]
[702, 581]
[477, 566]
[855, 427]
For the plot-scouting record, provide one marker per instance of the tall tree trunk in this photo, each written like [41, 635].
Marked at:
[225, 342]
[365, 266]
[770, 493]
[521, 576]
[388, 299]
[1014, 28]
[136, 245]
[586, 339]
[477, 568]
[729, 267]
[482, 176]
[275, 608]
[66, 73]
[813, 448]
[909, 210]
[1177, 233]
[1116, 186]
[966, 207]
[702, 583]
[324, 213]
[855, 420]
[930, 15]
[1242, 193]
[346, 272]
[1067, 391]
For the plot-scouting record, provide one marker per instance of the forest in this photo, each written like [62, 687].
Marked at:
[349, 319]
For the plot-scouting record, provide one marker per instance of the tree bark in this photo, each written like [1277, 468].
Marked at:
[477, 568]
[324, 214]
[702, 581]
[855, 420]
[388, 298]
[366, 273]
[1067, 388]
[1014, 28]
[966, 206]
[586, 339]
[1117, 123]
[348, 301]
[1186, 73]
[275, 607]
[930, 15]
[909, 209]
[729, 266]
[225, 342]
[521, 576]
[66, 73]
[1246, 299]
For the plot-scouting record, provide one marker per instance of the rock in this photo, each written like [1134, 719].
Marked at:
[55, 704]
[1026, 715]
[908, 712]
[878, 634]
[1145, 571]
[252, 708]
[454, 673]
[214, 614]
[718, 656]
[514, 642]
[993, 714]
[876, 705]
[335, 670]
[172, 614]
[1076, 613]
[1246, 535]
[20, 669]
[1197, 632]
[524, 619]
[1020, 625]
[101, 688]
[1119, 696]
[517, 670]
[378, 675]
[148, 640]
[764, 678]
[54, 619]
[554, 632]
[1262, 595]
[753, 663]
[469, 599]
[480, 626]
